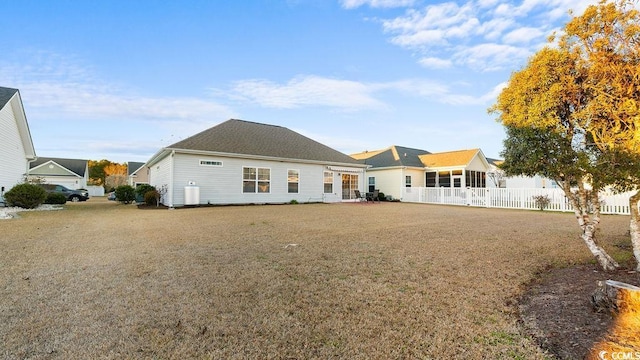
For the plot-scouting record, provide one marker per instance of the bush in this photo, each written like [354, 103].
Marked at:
[125, 194]
[542, 201]
[143, 189]
[27, 196]
[151, 197]
[55, 199]
[382, 197]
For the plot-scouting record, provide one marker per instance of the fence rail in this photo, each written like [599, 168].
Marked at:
[511, 198]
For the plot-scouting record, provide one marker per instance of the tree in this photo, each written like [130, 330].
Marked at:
[583, 95]
[605, 41]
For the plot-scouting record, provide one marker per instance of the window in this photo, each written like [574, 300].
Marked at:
[256, 180]
[407, 181]
[293, 180]
[210, 163]
[476, 178]
[430, 179]
[372, 184]
[328, 182]
[444, 179]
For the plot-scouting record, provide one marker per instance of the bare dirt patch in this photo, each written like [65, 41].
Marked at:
[389, 280]
[556, 309]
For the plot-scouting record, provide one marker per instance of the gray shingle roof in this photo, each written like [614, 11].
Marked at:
[75, 165]
[5, 95]
[396, 156]
[250, 138]
[133, 166]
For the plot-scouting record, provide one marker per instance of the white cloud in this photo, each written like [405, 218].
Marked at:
[468, 33]
[352, 4]
[435, 63]
[523, 35]
[308, 91]
[490, 57]
[54, 85]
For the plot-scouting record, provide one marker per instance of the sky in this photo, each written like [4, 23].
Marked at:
[121, 79]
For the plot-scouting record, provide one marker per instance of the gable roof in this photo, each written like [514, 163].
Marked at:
[133, 167]
[392, 156]
[6, 95]
[76, 166]
[449, 158]
[240, 137]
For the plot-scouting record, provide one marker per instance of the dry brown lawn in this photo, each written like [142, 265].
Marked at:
[383, 281]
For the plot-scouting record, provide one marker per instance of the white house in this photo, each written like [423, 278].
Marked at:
[242, 162]
[396, 168]
[72, 173]
[16, 145]
[517, 182]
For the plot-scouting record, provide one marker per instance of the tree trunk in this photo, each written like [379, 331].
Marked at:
[589, 225]
[634, 227]
[622, 338]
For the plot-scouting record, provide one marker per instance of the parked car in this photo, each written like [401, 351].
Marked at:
[71, 195]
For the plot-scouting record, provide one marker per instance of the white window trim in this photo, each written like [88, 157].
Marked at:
[290, 182]
[257, 180]
[324, 182]
[204, 162]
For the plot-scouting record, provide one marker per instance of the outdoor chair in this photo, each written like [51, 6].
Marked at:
[374, 196]
[359, 196]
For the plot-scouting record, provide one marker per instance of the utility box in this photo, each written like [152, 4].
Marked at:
[192, 194]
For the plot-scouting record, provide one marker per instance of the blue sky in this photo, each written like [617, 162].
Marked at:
[121, 79]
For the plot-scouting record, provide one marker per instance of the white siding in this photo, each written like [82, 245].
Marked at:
[392, 181]
[477, 164]
[223, 184]
[13, 160]
[159, 175]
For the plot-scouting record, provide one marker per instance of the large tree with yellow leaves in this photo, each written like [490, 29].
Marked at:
[572, 114]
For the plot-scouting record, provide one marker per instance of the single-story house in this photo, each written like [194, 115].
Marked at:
[137, 173]
[16, 145]
[529, 182]
[72, 173]
[242, 162]
[397, 167]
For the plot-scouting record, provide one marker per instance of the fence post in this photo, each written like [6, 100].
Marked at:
[487, 198]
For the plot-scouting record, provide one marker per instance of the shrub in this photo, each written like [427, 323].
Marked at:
[381, 197]
[542, 201]
[143, 189]
[27, 196]
[293, 202]
[151, 197]
[55, 199]
[125, 194]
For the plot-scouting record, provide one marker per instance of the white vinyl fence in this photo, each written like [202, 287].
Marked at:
[510, 198]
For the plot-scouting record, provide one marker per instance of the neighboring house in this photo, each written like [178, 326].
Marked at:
[396, 168]
[393, 168]
[498, 179]
[137, 173]
[16, 145]
[242, 162]
[72, 173]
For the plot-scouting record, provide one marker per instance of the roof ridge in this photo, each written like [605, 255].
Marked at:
[253, 122]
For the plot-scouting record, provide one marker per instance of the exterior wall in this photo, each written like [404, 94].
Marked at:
[159, 175]
[140, 177]
[13, 159]
[54, 174]
[392, 181]
[536, 182]
[223, 185]
[477, 165]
